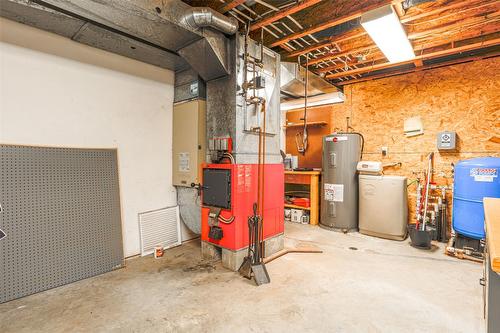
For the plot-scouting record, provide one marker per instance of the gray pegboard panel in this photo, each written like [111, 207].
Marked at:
[61, 214]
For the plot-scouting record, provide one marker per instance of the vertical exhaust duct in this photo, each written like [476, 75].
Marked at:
[203, 17]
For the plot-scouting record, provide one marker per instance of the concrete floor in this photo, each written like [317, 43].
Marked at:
[377, 286]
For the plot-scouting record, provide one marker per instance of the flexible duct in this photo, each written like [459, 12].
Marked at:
[202, 17]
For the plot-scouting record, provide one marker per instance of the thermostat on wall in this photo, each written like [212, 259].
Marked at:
[447, 140]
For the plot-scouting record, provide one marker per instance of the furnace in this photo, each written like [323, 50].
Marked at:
[229, 192]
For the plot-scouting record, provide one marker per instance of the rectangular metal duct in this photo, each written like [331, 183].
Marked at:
[229, 114]
[168, 33]
[293, 82]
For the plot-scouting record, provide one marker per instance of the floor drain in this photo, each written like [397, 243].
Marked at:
[353, 248]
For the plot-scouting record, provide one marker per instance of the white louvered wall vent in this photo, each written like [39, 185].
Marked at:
[159, 228]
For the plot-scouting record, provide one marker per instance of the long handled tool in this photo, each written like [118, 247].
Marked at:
[427, 184]
[253, 264]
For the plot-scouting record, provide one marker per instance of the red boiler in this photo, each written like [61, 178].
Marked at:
[229, 192]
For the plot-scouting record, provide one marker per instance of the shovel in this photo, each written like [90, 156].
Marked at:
[260, 274]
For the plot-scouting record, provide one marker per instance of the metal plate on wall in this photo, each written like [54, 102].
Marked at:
[61, 216]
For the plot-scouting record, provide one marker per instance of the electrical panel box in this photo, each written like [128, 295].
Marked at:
[447, 140]
[189, 141]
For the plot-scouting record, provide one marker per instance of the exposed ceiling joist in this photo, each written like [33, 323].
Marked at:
[328, 24]
[346, 36]
[437, 10]
[398, 7]
[283, 13]
[232, 4]
[424, 56]
[418, 47]
[334, 55]
[460, 25]
[360, 32]
[426, 67]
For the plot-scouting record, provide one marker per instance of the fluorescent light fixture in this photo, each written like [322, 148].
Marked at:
[330, 98]
[384, 27]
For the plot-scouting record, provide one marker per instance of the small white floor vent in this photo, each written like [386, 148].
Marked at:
[159, 228]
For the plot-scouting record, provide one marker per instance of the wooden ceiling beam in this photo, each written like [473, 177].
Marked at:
[283, 13]
[411, 70]
[431, 55]
[230, 5]
[398, 8]
[418, 62]
[331, 56]
[360, 32]
[441, 30]
[329, 42]
[341, 65]
[323, 26]
[311, 48]
[461, 25]
[420, 45]
[451, 6]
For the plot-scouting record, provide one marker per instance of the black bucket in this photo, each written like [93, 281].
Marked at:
[421, 239]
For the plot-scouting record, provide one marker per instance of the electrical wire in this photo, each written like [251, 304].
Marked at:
[229, 156]
[226, 221]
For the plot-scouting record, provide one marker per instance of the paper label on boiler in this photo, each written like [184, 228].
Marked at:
[184, 162]
[336, 138]
[334, 192]
[484, 174]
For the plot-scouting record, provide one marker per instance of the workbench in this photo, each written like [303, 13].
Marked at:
[492, 264]
[311, 179]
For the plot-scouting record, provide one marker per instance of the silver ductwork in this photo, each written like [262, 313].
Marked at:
[167, 33]
[203, 17]
[293, 82]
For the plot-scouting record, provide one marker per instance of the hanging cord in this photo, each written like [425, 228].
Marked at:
[305, 139]
[298, 142]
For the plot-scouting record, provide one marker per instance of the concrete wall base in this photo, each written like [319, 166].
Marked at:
[233, 259]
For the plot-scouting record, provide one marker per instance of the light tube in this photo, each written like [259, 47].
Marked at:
[383, 26]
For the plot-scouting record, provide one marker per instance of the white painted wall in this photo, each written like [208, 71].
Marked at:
[57, 92]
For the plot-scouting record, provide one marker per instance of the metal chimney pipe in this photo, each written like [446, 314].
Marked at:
[203, 17]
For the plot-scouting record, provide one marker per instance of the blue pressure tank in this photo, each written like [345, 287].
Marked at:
[474, 179]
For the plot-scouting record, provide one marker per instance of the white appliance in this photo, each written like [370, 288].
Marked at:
[383, 207]
[369, 167]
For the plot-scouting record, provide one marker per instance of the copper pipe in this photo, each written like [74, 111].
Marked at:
[263, 133]
[295, 250]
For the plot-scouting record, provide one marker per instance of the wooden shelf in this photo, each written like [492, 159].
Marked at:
[312, 124]
[492, 221]
[297, 207]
